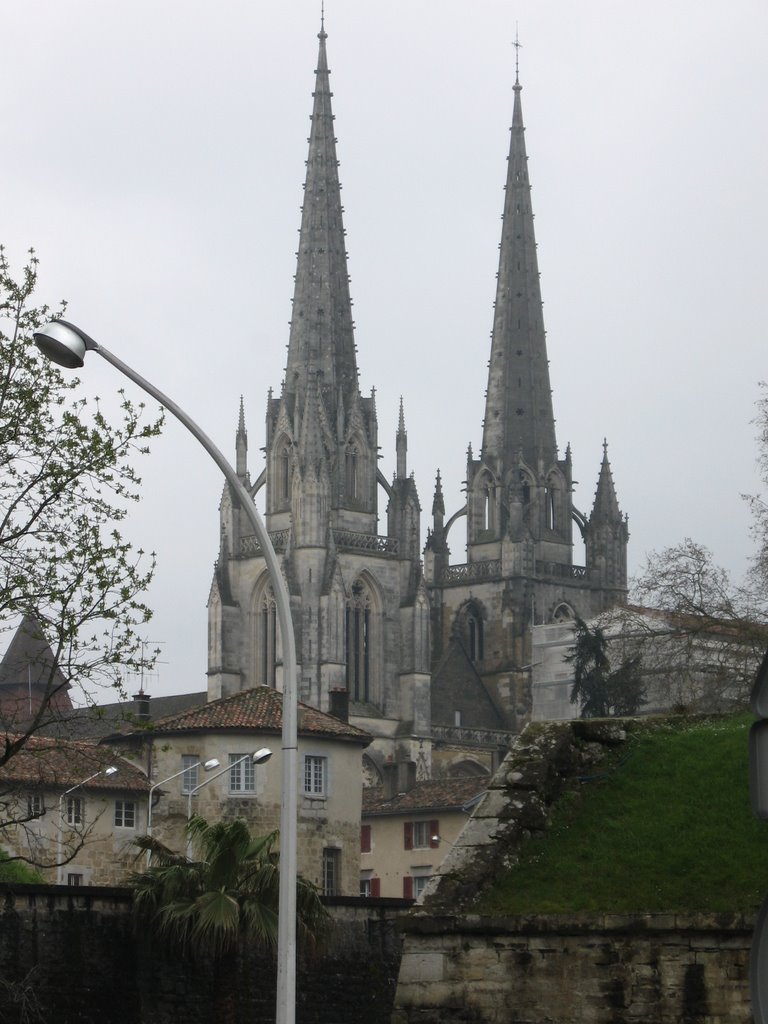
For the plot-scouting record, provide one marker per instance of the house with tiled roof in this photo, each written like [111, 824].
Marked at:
[176, 750]
[72, 810]
[405, 835]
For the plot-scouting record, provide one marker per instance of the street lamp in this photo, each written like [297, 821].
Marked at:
[207, 766]
[60, 820]
[258, 757]
[67, 345]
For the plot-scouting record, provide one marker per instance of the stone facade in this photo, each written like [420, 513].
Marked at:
[73, 956]
[585, 969]
[411, 647]
[228, 730]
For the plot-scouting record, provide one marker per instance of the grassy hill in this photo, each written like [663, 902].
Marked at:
[667, 826]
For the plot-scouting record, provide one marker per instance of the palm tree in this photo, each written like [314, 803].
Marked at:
[204, 908]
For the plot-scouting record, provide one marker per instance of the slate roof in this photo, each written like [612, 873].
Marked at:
[60, 764]
[261, 709]
[433, 795]
[29, 659]
[101, 720]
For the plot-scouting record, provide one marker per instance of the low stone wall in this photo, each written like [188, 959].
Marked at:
[71, 955]
[590, 969]
[585, 969]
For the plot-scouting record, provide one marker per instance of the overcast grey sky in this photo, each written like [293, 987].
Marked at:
[153, 154]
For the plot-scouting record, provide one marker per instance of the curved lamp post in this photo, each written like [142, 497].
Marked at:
[258, 757]
[207, 766]
[60, 820]
[67, 345]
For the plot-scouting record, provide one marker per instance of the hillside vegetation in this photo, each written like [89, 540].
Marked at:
[667, 826]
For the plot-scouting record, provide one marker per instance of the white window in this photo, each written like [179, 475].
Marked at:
[419, 884]
[74, 879]
[35, 808]
[125, 813]
[242, 774]
[421, 836]
[331, 871]
[315, 775]
[189, 780]
[74, 811]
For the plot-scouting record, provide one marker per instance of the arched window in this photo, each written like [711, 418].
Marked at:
[266, 627]
[351, 471]
[359, 627]
[284, 473]
[474, 636]
[549, 507]
[469, 628]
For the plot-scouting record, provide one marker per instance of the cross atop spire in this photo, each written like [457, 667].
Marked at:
[517, 44]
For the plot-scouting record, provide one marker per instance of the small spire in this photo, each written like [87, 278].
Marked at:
[241, 444]
[517, 44]
[438, 504]
[322, 34]
[401, 445]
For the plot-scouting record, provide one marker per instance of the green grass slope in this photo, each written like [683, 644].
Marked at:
[666, 827]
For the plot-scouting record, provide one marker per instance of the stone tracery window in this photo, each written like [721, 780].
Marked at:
[359, 642]
[266, 626]
[351, 470]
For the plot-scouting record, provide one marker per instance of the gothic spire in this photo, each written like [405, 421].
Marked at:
[518, 412]
[241, 443]
[606, 506]
[321, 325]
[401, 444]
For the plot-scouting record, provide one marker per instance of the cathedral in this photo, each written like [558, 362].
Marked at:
[430, 656]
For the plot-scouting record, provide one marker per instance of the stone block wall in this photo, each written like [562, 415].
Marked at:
[71, 955]
[585, 969]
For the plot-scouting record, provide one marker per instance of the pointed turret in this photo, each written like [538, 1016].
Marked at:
[401, 445]
[518, 411]
[606, 506]
[606, 535]
[241, 444]
[321, 324]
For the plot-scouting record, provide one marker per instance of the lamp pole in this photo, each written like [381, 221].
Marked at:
[67, 345]
[60, 820]
[259, 757]
[207, 766]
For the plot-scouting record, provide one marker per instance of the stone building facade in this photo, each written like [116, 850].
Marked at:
[431, 657]
[174, 751]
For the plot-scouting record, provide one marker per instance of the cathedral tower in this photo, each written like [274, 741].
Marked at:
[519, 511]
[359, 599]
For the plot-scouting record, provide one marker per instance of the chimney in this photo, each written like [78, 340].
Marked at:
[340, 704]
[141, 706]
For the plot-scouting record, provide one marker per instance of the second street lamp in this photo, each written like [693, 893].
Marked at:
[67, 345]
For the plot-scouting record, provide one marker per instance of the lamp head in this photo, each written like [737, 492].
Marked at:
[63, 343]
[262, 755]
[208, 766]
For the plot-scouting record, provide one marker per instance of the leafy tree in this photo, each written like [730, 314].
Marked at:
[600, 691]
[710, 633]
[67, 478]
[205, 908]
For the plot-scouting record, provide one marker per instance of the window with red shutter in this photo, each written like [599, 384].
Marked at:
[407, 887]
[365, 839]
[408, 835]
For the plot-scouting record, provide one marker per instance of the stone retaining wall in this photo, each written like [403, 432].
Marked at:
[71, 955]
[585, 969]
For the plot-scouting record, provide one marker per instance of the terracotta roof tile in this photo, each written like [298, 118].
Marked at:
[62, 763]
[260, 708]
[433, 795]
